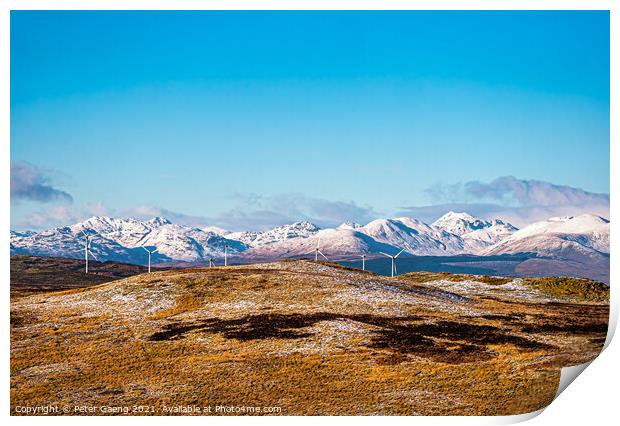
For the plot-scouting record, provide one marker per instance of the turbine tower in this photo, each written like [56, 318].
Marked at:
[225, 254]
[87, 250]
[317, 251]
[211, 263]
[150, 253]
[393, 260]
[363, 262]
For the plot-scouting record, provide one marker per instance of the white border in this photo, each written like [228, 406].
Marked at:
[591, 400]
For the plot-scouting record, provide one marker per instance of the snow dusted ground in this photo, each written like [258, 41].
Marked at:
[515, 289]
[317, 338]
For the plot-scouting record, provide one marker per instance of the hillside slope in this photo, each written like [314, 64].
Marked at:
[31, 274]
[309, 338]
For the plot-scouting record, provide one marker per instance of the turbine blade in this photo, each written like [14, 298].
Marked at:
[147, 250]
[323, 255]
[385, 254]
[395, 271]
[399, 252]
[93, 255]
[154, 251]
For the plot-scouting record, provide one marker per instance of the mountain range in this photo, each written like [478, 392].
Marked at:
[570, 237]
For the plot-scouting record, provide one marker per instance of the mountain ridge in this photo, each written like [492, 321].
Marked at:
[122, 239]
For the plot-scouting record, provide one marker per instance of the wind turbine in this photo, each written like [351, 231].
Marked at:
[363, 262]
[225, 254]
[87, 249]
[150, 253]
[393, 260]
[317, 251]
[211, 263]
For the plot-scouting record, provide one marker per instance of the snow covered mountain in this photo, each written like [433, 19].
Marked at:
[558, 237]
[351, 239]
[579, 237]
[476, 233]
[350, 225]
[414, 236]
[460, 223]
[300, 229]
[216, 230]
[123, 239]
[333, 243]
[64, 242]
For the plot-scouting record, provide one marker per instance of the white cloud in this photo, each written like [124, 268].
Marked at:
[252, 212]
[29, 182]
[149, 211]
[518, 201]
[524, 193]
[61, 216]
[255, 211]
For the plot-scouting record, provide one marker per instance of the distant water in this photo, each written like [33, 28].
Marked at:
[479, 265]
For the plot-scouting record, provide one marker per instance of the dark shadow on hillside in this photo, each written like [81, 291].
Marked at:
[443, 341]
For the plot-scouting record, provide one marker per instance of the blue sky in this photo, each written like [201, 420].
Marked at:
[248, 119]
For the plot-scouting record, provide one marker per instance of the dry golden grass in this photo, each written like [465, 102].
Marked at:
[303, 336]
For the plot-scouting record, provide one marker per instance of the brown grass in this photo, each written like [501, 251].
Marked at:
[306, 337]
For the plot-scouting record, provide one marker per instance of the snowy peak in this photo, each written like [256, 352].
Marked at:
[452, 216]
[298, 228]
[584, 234]
[215, 230]
[349, 225]
[454, 233]
[22, 234]
[414, 236]
[583, 224]
[105, 224]
[498, 231]
[460, 223]
[476, 233]
[123, 239]
[158, 221]
[301, 229]
[573, 224]
[333, 243]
